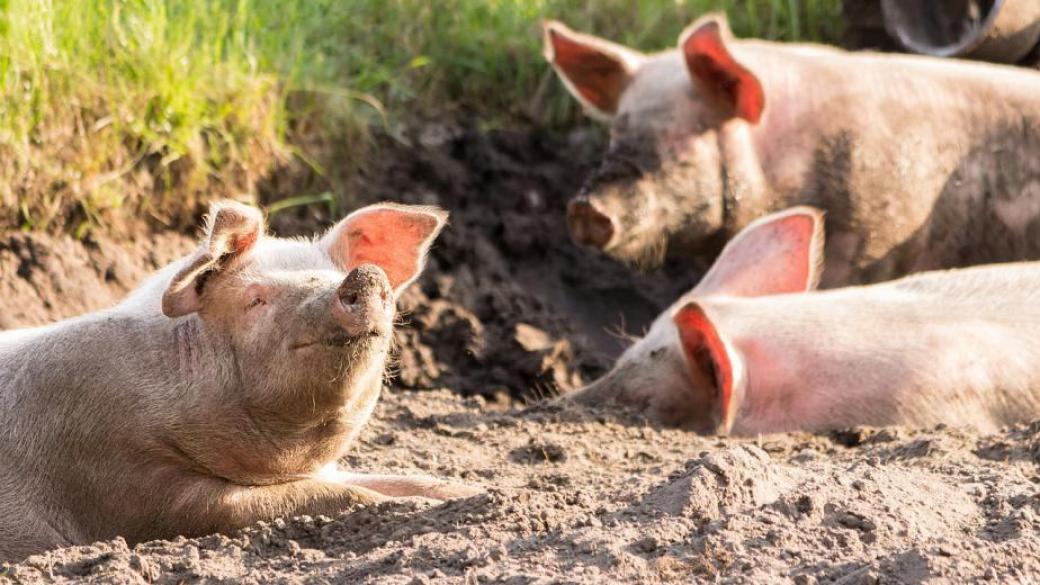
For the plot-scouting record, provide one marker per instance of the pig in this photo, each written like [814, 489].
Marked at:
[220, 392]
[753, 348]
[920, 163]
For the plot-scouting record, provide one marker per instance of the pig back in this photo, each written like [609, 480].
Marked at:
[958, 347]
[920, 163]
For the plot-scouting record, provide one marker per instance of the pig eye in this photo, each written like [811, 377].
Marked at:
[256, 302]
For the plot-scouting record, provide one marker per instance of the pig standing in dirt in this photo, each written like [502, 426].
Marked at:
[749, 350]
[920, 163]
[220, 392]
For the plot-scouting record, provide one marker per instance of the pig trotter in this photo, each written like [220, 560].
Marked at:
[401, 486]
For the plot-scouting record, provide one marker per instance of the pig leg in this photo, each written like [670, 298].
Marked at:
[401, 486]
[329, 493]
[210, 507]
[307, 496]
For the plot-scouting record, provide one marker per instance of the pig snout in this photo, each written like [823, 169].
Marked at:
[363, 302]
[589, 223]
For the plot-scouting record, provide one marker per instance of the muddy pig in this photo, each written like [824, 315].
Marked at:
[749, 350]
[921, 163]
[220, 392]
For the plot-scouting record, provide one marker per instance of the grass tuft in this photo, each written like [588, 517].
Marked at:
[114, 109]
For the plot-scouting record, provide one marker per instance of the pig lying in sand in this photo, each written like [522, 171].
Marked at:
[220, 392]
[749, 351]
[920, 163]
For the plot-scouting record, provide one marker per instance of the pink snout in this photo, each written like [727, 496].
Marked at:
[589, 224]
[364, 302]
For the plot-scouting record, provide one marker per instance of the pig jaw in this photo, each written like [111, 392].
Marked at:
[307, 367]
[663, 214]
[338, 343]
[652, 377]
[343, 373]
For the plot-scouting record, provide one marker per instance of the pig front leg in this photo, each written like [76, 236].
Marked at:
[400, 486]
[209, 508]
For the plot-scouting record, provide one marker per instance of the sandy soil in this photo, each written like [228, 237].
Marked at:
[587, 497]
[510, 310]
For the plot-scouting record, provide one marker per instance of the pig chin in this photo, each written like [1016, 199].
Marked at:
[644, 227]
[646, 250]
[338, 341]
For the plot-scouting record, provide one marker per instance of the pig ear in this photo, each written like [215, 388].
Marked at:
[711, 357]
[594, 70]
[232, 230]
[714, 69]
[391, 236]
[776, 254]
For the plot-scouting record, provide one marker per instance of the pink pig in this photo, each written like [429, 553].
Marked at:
[751, 350]
[221, 392]
[920, 163]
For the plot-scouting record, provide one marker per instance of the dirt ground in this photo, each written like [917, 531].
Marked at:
[507, 312]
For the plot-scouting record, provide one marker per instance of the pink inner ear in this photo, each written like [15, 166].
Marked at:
[391, 239]
[711, 63]
[774, 257]
[698, 336]
[598, 77]
[242, 242]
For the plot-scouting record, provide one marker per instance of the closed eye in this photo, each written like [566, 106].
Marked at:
[256, 302]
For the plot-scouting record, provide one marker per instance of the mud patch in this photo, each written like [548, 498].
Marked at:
[46, 278]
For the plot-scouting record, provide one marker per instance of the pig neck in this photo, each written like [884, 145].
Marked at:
[829, 113]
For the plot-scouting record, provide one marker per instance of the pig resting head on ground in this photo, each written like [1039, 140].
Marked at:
[298, 329]
[684, 371]
[676, 119]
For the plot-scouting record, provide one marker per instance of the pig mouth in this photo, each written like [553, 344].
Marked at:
[643, 251]
[337, 340]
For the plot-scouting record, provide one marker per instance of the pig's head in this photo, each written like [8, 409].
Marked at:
[686, 371]
[298, 322]
[663, 180]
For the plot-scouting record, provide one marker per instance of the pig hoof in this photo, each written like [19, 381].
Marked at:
[367, 497]
[452, 491]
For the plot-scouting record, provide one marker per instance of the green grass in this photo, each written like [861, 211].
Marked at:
[118, 108]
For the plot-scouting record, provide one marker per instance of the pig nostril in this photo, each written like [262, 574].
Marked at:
[588, 224]
[364, 285]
